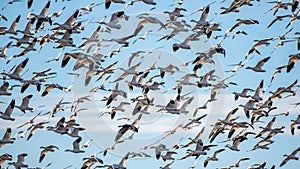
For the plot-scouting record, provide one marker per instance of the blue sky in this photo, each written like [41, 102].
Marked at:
[103, 130]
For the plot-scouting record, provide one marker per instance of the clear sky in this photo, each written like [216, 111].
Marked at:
[154, 126]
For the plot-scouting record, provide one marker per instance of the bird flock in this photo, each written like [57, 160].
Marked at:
[173, 83]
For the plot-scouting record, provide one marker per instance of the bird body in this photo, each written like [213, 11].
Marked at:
[76, 147]
[7, 114]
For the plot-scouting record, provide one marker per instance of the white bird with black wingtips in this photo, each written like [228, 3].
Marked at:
[7, 114]
[76, 147]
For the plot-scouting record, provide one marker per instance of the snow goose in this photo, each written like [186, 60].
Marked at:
[158, 150]
[68, 56]
[89, 161]
[92, 38]
[144, 37]
[108, 2]
[184, 45]
[279, 18]
[25, 104]
[25, 39]
[42, 16]
[133, 82]
[35, 127]
[123, 40]
[6, 138]
[277, 71]
[91, 70]
[27, 30]
[89, 7]
[293, 59]
[76, 147]
[274, 132]
[138, 107]
[4, 89]
[4, 49]
[7, 114]
[65, 40]
[31, 121]
[243, 21]
[129, 71]
[10, 2]
[249, 106]
[234, 146]
[281, 43]
[124, 128]
[122, 162]
[257, 45]
[258, 166]
[120, 108]
[295, 17]
[49, 148]
[168, 155]
[48, 89]
[198, 136]
[199, 150]
[145, 20]
[11, 29]
[213, 158]
[279, 5]
[59, 127]
[167, 166]
[115, 18]
[289, 157]
[68, 24]
[16, 74]
[204, 80]
[267, 128]
[242, 94]
[75, 131]
[5, 157]
[294, 124]
[87, 144]
[258, 91]
[168, 69]
[149, 2]
[20, 161]
[228, 120]
[175, 13]
[202, 21]
[179, 27]
[259, 65]
[237, 164]
[28, 48]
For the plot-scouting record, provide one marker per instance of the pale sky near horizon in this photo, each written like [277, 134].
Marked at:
[152, 127]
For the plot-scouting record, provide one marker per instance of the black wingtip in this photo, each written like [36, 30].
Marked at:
[175, 47]
[29, 3]
[207, 9]
[76, 13]
[44, 93]
[261, 85]
[266, 59]
[25, 62]
[290, 67]
[107, 4]
[120, 13]
[48, 4]
[12, 103]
